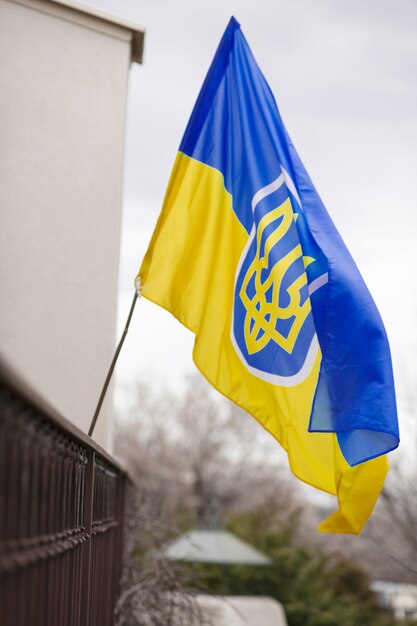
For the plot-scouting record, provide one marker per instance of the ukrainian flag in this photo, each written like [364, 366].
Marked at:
[245, 255]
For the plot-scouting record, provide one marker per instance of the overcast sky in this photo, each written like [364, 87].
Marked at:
[345, 78]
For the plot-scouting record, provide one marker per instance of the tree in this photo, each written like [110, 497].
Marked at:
[152, 588]
[201, 457]
[394, 529]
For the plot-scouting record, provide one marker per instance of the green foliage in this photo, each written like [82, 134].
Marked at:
[315, 589]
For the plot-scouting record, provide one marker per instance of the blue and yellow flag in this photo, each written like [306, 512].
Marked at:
[245, 255]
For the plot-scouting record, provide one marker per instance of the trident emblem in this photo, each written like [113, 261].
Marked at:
[262, 312]
[273, 331]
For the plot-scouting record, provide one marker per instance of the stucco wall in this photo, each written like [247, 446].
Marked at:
[63, 82]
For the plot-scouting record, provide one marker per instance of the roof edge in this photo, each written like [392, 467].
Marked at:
[138, 30]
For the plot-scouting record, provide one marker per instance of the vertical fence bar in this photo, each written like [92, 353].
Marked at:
[87, 574]
[121, 496]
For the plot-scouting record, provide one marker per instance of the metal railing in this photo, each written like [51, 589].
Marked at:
[61, 517]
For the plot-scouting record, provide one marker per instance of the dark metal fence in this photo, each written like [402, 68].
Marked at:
[61, 517]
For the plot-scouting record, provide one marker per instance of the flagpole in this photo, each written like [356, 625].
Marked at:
[114, 361]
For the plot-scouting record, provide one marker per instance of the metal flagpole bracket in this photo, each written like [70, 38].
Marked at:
[138, 287]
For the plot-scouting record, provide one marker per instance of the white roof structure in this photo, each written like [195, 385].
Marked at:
[214, 546]
[242, 611]
[234, 611]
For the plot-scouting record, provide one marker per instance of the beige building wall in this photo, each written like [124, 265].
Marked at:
[63, 84]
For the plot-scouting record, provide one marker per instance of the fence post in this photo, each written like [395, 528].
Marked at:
[86, 577]
[121, 497]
